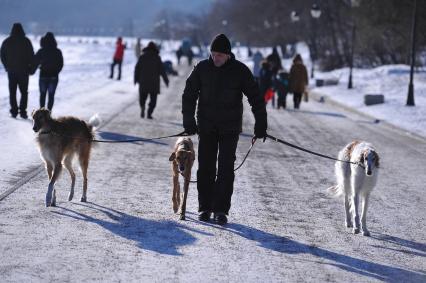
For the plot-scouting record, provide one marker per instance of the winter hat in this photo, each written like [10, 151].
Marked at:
[221, 44]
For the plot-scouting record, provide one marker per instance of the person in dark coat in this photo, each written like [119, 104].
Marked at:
[275, 64]
[218, 84]
[50, 60]
[265, 77]
[148, 70]
[298, 80]
[17, 55]
[118, 57]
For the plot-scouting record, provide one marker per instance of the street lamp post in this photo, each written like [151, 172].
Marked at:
[410, 96]
[354, 3]
[315, 13]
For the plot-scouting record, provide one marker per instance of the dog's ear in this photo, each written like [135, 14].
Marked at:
[32, 112]
[172, 156]
[191, 154]
[376, 159]
[361, 158]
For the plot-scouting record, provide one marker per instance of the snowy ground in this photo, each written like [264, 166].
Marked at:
[283, 227]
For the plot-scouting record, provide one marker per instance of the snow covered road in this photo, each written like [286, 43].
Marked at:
[283, 225]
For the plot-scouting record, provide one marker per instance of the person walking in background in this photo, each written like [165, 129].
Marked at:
[138, 48]
[218, 84]
[265, 81]
[17, 55]
[298, 80]
[50, 60]
[282, 86]
[148, 70]
[275, 64]
[118, 57]
[257, 59]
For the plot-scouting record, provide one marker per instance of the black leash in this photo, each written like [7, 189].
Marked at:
[182, 134]
[309, 151]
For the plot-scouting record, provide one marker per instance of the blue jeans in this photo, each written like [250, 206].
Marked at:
[47, 85]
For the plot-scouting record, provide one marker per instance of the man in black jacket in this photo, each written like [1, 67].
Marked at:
[218, 84]
[16, 55]
[148, 70]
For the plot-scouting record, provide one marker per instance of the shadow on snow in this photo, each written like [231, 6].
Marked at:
[347, 263]
[164, 237]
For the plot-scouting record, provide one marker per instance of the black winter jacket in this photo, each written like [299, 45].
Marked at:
[49, 57]
[219, 91]
[148, 70]
[17, 52]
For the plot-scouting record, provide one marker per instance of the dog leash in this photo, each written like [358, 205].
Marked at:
[310, 151]
[181, 134]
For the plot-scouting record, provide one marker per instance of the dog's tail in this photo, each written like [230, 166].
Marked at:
[335, 190]
[95, 121]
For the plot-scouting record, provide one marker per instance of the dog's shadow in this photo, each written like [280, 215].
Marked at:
[345, 262]
[407, 244]
[163, 237]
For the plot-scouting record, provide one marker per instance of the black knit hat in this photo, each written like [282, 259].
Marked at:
[221, 44]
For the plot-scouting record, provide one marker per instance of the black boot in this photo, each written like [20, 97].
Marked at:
[204, 216]
[220, 218]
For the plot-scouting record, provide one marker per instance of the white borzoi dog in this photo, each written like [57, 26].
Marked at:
[356, 181]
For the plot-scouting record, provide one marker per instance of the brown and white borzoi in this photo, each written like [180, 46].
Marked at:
[59, 140]
[182, 158]
[356, 181]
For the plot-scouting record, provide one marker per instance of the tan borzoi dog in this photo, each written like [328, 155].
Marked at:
[356, 181]
[182, 158]
[59, 140]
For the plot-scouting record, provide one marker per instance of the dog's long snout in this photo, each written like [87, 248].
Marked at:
[368, 171]
[35, 128]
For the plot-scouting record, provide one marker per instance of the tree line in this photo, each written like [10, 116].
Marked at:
[382, 28]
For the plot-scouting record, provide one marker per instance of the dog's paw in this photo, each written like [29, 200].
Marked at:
[348, 224]
[83, 199]
[175, 208]
[366, 233]
[70, 197]
[355, 230]
[48, 201]
[182, 217]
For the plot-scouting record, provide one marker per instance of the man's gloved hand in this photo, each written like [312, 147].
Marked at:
[190, 127]
[260, 130]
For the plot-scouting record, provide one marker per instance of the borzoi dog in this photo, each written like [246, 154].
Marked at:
[182, 158]
[59, 140]
[356, 181]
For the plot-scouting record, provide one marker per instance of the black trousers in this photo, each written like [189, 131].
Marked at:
[15, 81]
[116, 62]
[152, 101]
[214, 193]
[297, 98]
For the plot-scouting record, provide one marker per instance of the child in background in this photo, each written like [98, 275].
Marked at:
[282, 88]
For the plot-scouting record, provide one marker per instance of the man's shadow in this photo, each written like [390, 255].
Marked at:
[345, 262]
[164, 237]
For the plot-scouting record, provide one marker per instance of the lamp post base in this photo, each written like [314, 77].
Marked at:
[410, 97]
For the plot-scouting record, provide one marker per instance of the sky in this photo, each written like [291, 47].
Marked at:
[103, 17]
